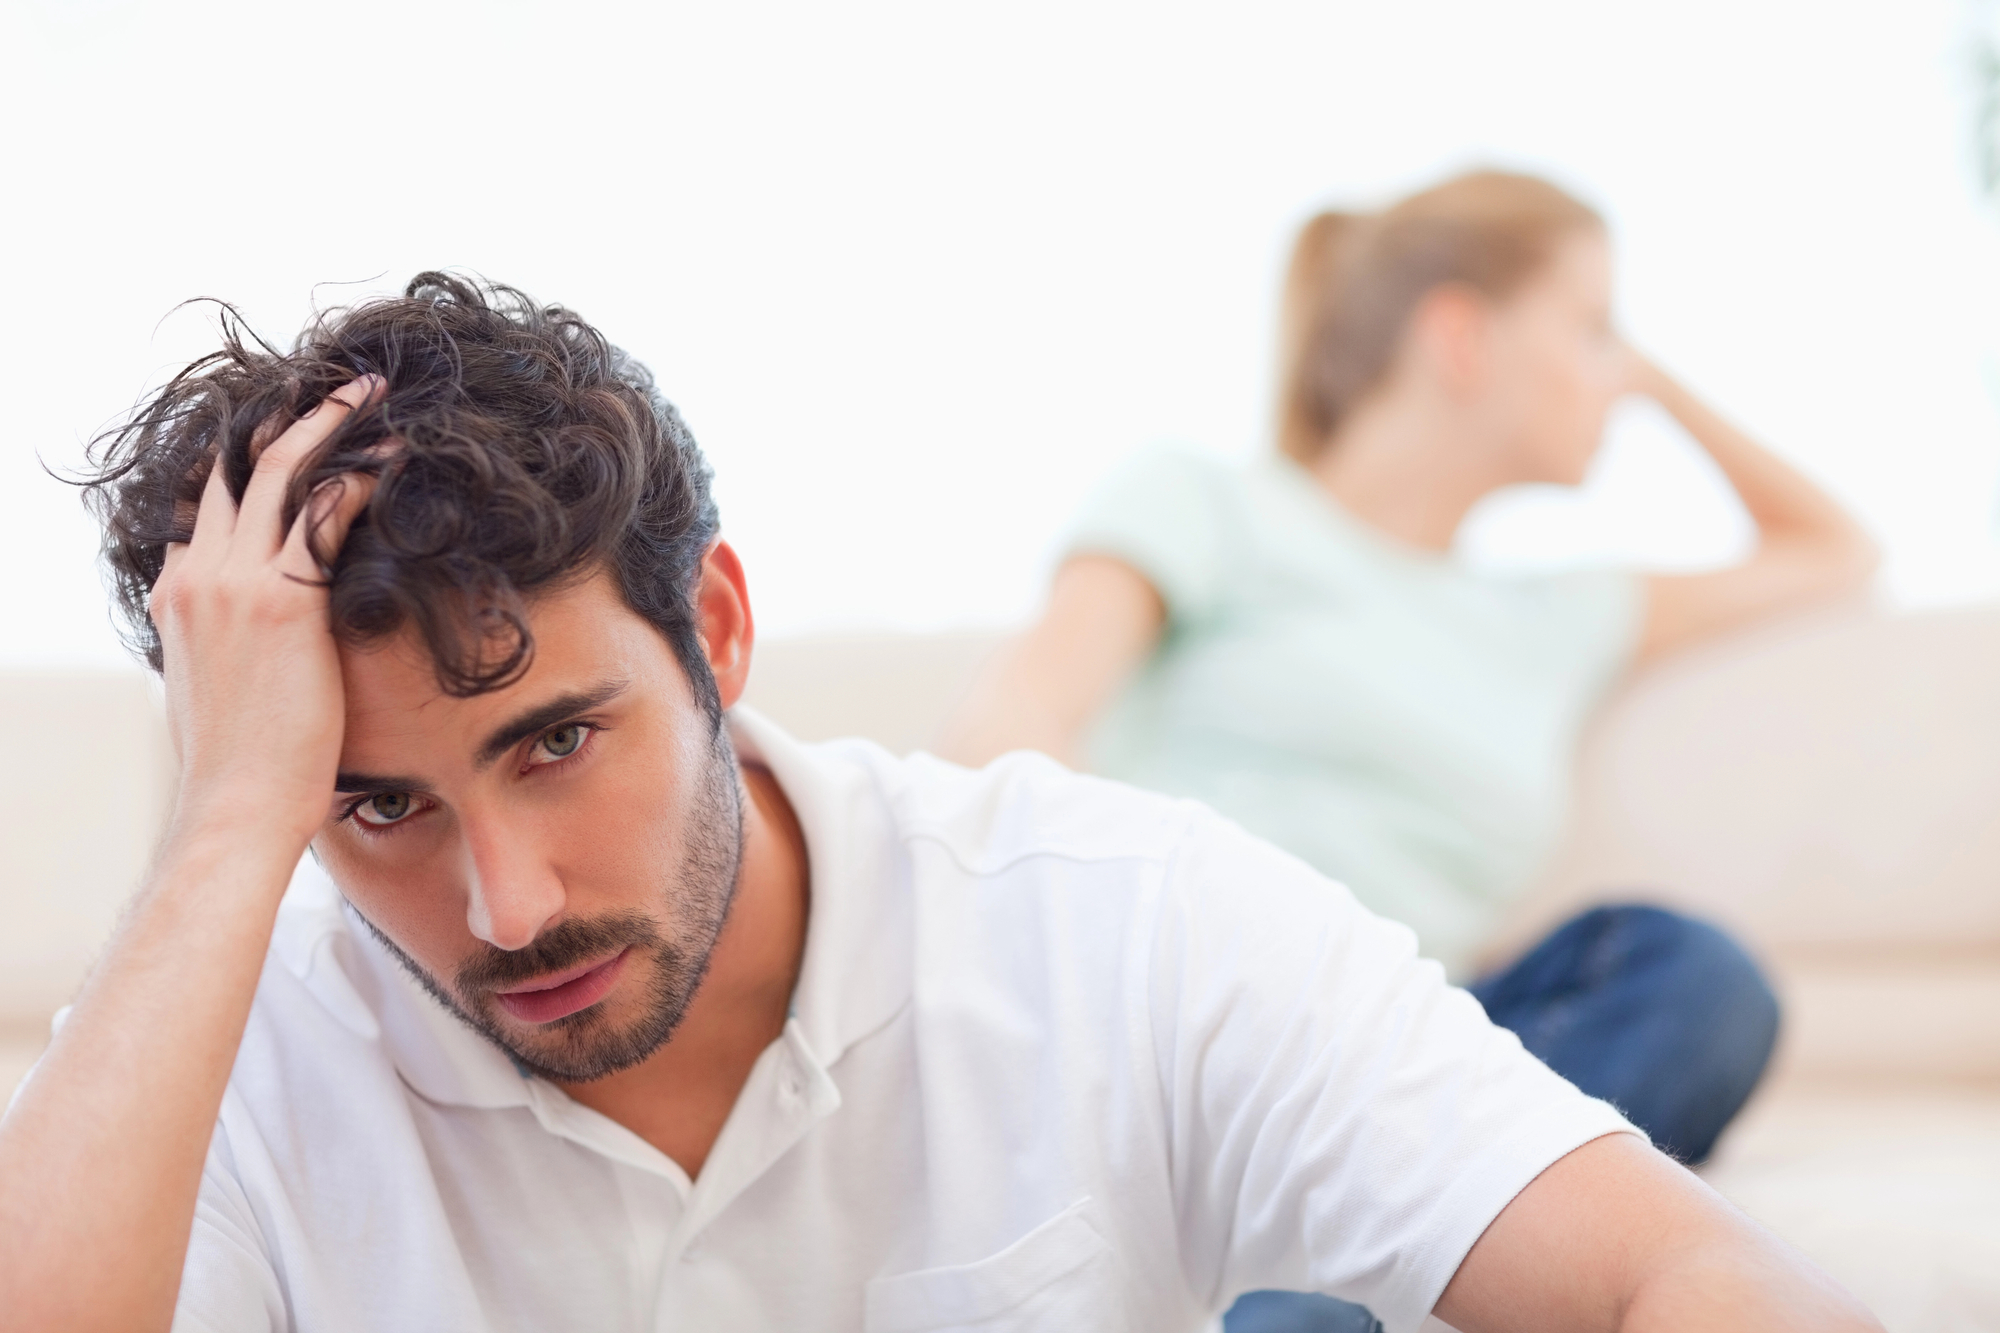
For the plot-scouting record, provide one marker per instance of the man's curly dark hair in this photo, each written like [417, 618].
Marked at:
[518, 451]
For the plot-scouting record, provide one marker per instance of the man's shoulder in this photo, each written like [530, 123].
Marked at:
[315, 1028]
[1025, 810]
[331, 987]
[1024, 807]
[313, 959]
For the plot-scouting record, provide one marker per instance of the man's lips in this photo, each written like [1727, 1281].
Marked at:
[560, 994]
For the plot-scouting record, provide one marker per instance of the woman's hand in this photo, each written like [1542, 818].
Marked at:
[1642, 376]
[1809, 549]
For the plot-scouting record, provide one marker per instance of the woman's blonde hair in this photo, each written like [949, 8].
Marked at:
[1355, 279]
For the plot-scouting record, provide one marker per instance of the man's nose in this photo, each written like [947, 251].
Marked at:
[512, 891]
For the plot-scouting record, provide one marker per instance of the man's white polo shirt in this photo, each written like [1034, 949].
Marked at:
[1063, 1055]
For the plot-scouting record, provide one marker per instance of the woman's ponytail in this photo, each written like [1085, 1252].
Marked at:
[1355, 280]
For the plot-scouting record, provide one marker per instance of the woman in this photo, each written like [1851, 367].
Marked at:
[1293, 643]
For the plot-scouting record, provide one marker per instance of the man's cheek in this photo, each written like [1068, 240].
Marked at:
[428, 927]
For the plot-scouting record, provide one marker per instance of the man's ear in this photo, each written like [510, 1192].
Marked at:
[722, 609]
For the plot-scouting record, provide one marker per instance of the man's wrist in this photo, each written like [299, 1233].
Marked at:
[240, 855]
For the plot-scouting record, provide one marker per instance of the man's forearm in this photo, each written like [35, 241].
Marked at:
[1743, 1287]
[1616, 1236]
[101, 1155]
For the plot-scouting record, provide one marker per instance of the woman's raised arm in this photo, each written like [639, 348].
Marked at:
[1043, 690]
[1809, 549]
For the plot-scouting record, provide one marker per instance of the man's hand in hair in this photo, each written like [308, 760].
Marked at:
[253, 679]
[102, 1152]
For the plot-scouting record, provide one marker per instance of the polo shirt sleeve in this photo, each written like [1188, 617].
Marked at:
[1340, 1119]
[228, 1284]
[1160, 514]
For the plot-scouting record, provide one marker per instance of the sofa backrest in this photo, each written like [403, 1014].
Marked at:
[80, 806]
[1826, 782]
[894, 689]
[1828, 788]
[1821, 785]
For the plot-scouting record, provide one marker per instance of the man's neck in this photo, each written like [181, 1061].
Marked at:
[679, 1098]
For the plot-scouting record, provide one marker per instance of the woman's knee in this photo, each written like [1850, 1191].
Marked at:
[1684, 946]
[1709, 988]
[1712, 972]
[1297, 1312]
[1687, 980]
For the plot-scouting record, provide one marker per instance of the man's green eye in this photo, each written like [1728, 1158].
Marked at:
[563, 741]
[386, 808]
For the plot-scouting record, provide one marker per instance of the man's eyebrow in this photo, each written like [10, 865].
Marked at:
[350, 784]
[543, 716]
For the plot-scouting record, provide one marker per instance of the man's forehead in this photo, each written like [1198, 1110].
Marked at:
[584, 636]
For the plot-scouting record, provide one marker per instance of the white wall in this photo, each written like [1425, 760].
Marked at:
[918, 273]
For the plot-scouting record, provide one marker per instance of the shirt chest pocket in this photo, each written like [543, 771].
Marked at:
[1060, 1276]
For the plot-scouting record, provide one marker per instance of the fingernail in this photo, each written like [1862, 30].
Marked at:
[358, 390]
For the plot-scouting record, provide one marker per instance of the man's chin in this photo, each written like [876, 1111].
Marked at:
[621, 1030]
[578, 1048]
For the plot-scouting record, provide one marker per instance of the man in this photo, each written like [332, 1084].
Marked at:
[606, 1007]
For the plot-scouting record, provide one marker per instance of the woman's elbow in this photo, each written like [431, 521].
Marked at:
[1855, 562]
[1008, 708]
[1829, 565]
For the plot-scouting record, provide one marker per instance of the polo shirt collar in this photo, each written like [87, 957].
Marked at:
[435, 1053]
[856, 973]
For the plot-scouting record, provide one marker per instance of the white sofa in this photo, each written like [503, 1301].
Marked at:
[1829, 789]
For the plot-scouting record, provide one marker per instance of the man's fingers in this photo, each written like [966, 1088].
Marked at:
[176, 556]
[269, 429]
[215, 517]
[264, 499]
[323, 523]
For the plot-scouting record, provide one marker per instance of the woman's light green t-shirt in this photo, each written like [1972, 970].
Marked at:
[1403, 724]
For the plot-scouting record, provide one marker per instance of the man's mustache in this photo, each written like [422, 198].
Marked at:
[561, 946]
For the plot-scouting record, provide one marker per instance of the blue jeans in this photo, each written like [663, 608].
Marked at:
[1661, 1015]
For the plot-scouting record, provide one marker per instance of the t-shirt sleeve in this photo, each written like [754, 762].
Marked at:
[1589, 622]
[228, 1284]
[1341, 1120]
[1160, 512]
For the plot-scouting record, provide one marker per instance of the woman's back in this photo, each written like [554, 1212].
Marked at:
[1293, 641]
[1377, 709]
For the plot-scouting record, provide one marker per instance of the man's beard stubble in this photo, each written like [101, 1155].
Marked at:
[586, 1047]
